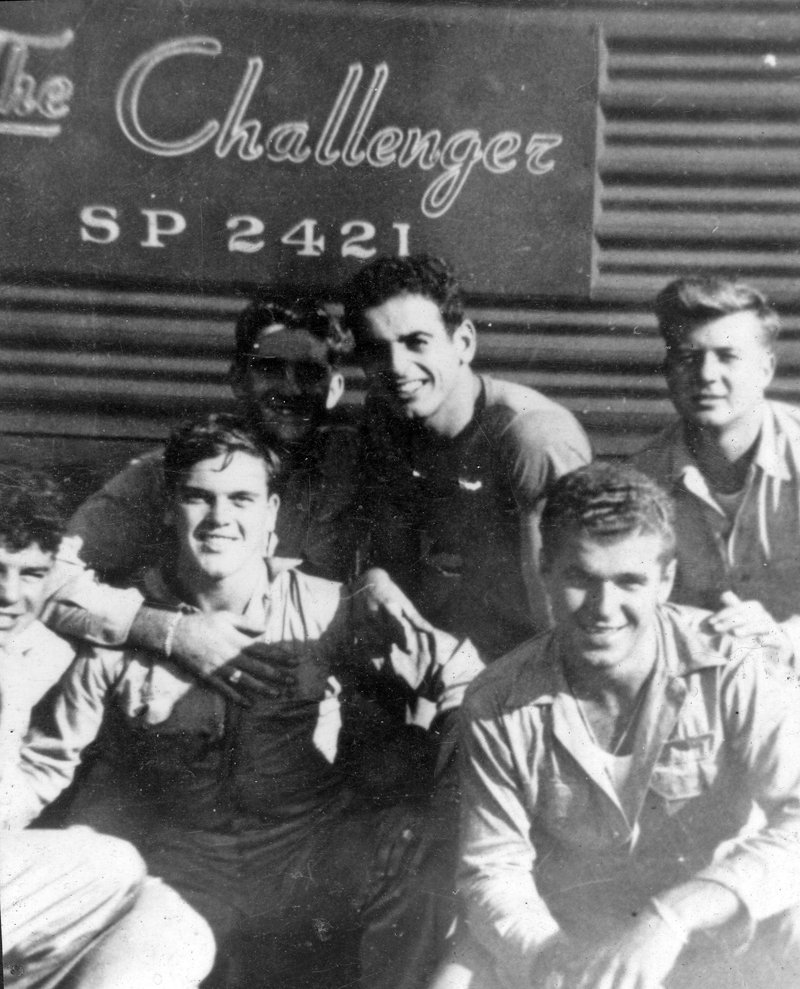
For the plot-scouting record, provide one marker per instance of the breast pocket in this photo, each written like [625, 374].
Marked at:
[685, 770]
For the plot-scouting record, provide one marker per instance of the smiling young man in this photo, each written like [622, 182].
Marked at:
[456, 465]
[286, 379]
[609, 767]
[76, 906]
[731, 461]
[246, 811]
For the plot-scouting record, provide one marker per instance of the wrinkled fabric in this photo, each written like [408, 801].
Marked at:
[243, 810]
[758, 555]
[446, 515]
[546, 842]
[61, 892]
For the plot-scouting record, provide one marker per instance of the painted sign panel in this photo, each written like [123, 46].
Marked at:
[226, 142]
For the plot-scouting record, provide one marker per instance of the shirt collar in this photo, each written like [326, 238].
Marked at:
[156, 588]
[683, 651]
[770, 456]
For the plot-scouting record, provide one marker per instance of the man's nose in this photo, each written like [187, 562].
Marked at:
[219, 511]
[290, 380]
[604, 600]
[10, 590]
[707, 366]
[398, 359]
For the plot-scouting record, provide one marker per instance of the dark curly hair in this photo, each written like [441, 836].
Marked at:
[418, 274]
[31, 509]
[686, 302]
[295, 313]
[607, 501]
[209, 436]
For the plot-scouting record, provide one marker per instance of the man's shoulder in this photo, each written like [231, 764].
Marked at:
[788, 418]
[518, 677]
[537, 439]
[527, 410]
[697, 649]
[316, 600]
[42, 655]
[656, 458]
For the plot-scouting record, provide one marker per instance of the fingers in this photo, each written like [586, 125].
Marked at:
[222, 686]
[245, 625]
[398, 852]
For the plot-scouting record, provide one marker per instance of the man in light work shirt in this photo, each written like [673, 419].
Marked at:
[731, 461]
[609, 767]
[456, 465]
[246, 811]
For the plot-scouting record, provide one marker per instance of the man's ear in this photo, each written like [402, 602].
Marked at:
[667, 581]
[168, 518]
[273, 504]
[236, 380]
[335, 390]
[770, 362]
[465, 338]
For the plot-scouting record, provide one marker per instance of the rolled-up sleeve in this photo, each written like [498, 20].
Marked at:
[761, 715]
[81, 606]
[504, 909]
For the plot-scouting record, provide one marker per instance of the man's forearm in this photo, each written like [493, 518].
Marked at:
[82, 607]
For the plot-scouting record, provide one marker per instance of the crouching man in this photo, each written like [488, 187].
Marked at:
[609, 767]
[78, 907]
[244, 810]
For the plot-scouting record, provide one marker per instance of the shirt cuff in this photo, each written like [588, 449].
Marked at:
[94, 612]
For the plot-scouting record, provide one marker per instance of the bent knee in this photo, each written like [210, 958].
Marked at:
[116, 860]
[187, 947]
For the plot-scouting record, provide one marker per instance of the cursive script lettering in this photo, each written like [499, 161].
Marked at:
[22, 97]
[345, 137]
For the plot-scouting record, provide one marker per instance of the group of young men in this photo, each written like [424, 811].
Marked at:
[285, 626]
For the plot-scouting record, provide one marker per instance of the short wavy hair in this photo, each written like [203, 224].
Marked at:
[32, 509]
[294, 313]
[607, 501]
[385, 278]
[686, 302]
[214, 435]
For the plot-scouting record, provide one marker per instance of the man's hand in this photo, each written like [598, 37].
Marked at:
[381, 603]
[404, 837]
[641, 958]
[220, 648]
[750, 618]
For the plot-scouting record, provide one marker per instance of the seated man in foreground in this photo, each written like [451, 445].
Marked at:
[609, 765]
[244, 810]
[78, 907]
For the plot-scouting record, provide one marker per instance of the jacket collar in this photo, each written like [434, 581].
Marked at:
[682, 651]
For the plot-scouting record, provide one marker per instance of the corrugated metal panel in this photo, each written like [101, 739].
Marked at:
[698, 166]
[699, 156]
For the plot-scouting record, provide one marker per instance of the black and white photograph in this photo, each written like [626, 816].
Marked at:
[400, 494]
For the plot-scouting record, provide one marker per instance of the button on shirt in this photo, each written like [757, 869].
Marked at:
[757, 553]
[546, 842]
